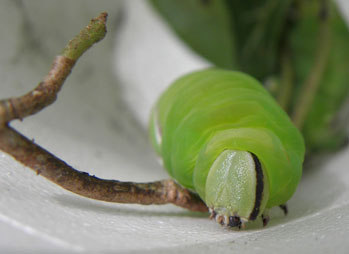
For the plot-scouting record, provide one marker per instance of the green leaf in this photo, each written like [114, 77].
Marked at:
[322, 129]
[258, 26]
[204, 26]
[240, 35]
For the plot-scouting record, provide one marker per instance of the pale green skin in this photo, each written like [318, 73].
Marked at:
[229, 199]
[205, 113]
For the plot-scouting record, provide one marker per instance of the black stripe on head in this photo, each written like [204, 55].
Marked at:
[259, 188]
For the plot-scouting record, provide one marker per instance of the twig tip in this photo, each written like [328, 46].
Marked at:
[101, 18]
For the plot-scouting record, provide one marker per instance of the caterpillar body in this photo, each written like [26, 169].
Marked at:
[220, 134]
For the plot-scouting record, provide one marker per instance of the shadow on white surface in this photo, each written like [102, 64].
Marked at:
[73, 202]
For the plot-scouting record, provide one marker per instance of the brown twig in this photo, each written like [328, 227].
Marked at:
[42, 96]
[56, 170]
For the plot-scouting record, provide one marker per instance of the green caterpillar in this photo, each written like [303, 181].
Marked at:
[220, 134]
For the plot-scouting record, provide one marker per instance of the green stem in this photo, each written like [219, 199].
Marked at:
[285, 89]
[311, 85]
[88, 36]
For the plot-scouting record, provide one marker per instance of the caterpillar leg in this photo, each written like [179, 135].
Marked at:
[284, 208]
[265, 216]
[265, 219]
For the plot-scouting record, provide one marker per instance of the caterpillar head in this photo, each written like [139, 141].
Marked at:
[236, 188]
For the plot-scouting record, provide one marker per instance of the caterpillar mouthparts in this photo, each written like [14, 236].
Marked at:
[229, 221]
[234, 221]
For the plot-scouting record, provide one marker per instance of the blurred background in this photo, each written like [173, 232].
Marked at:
[99, 125]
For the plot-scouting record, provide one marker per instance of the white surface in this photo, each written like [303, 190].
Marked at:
[93, 129]
[148, 62]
